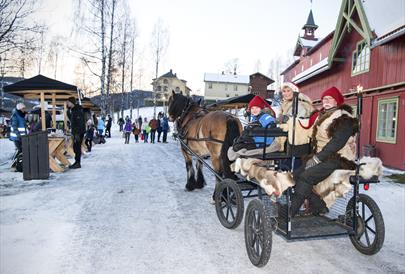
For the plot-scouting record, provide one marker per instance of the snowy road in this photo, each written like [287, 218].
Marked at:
[126, 211]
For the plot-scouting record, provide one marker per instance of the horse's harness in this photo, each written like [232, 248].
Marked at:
[183, 130]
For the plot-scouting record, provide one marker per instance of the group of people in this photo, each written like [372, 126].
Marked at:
[332, 145]
[146, 130]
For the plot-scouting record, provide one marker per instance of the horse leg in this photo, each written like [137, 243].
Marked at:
[216, 164]
[200, 175]
[191, 182]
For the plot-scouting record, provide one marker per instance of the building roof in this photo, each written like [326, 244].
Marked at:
[169, 74]
[311, 71]
[226, 78]
[310, 21]
[39, 82]
[269, 80]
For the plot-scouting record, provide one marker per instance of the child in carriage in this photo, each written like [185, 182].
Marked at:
[246, 144]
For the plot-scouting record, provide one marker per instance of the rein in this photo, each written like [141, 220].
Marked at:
[183, 130]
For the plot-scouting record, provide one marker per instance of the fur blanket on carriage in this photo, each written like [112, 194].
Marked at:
[276, 182]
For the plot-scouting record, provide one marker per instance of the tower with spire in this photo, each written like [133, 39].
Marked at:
[308, 40]
[310, 27]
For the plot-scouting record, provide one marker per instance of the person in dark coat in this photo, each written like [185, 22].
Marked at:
[18, 126]
[89, 136]
[165, 128]
[78, 128]
[108, 126]
[334, 128]
[121, 123]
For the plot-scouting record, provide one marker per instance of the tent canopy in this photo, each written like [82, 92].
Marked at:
[40, 83]
[232, 103]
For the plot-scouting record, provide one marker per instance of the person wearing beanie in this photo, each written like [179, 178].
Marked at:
[305, 107]
[18, 126]
[333, 133]
[77, 127]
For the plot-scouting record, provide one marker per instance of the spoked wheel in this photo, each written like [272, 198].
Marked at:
[369, 233]
[258, 233]
[229, 203]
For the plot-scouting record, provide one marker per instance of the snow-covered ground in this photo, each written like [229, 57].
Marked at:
[126, 211]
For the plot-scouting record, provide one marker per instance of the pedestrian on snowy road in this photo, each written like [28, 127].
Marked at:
[127, 130]
[153, 127]
[78, 128]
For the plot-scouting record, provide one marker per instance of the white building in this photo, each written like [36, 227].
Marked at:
[221, 86]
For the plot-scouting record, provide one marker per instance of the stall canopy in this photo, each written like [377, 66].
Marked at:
[43, 88]
[232, 103]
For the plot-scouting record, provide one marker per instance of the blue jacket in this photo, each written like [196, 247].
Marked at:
[164, 123]
[17, 128]
[264, 119]
[100, 124]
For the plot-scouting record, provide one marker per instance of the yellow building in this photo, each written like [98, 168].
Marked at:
[164, 84]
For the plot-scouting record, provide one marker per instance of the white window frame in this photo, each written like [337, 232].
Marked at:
[393, 120]
[361, 58]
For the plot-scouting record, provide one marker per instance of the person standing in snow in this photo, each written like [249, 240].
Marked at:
[18, 126]
[127, 130]
[108, 126]
[136, 130]
[145, 130]
[165, 128]
[159, 128]
[100, 130]
[153, 127]
[78, 128]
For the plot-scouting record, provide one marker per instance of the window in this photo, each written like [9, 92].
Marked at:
[320, 56]
[159, 88]
[235, 88]
[387, 120]
[227, 95]
[165, 81]
[177, 89]
[302, 68]
[226, 86]
[361, 58]
[209, 85]
[164, 88]
[236, 94]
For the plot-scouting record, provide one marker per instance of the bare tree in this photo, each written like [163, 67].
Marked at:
[159, 45]
[231, 66]
[110, 51]
[133, 36]
[125, 26]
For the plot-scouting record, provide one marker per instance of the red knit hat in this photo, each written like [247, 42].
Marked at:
[258, 101]
[335, 94]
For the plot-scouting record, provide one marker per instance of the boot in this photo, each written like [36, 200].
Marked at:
[302, 191]
[317, 205]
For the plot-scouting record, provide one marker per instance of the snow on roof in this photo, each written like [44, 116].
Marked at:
[384, 16]
[307, 43]
[226, 78]
[311, 71]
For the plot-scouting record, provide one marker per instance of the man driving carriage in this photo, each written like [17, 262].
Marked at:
[333, 147]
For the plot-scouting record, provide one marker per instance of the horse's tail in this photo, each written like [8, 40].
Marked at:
[232, 132]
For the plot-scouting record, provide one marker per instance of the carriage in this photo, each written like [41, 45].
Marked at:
[355, 215]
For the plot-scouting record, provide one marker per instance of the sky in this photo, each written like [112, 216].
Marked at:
[204, 35]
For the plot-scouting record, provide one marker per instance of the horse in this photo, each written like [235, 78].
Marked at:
[205, 133]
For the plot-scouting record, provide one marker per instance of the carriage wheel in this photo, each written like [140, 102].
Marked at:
[229, 203]
[368, 237]
[258, 233]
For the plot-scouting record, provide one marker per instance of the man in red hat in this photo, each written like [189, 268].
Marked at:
[334, 128]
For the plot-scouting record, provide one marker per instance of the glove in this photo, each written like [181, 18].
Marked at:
[312, 162]
[284, 118]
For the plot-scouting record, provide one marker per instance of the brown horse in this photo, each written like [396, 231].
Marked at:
[205, 133]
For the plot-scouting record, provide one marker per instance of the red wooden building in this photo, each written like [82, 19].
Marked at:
[367, 47]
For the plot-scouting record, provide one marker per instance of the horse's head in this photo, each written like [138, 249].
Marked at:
[176, 104]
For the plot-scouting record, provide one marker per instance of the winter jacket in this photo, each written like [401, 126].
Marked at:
[164, 123]
[135, 129]
[90, 133]
[333, 136]
[305, 107]
[100, 124]
[17, 126]
[128, 126]
[263, 119]
[153, 124]
[77, 122]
